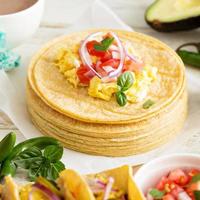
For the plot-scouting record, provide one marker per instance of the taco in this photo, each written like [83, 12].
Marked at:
[115, 184]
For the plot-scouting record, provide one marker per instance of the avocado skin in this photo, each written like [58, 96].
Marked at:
[181, 25]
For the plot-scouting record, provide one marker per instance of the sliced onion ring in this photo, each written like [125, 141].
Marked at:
[85, 57]
[45, 190]
[121, 54]
[108, 188]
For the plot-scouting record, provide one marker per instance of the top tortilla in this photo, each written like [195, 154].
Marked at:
[52, 87]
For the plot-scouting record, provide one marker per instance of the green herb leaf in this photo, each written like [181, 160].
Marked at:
[41, 163]
[38, 169]
[148, 104]
[125, 81]
[54, 169]
[105, 44]
[197, 195]
[121, 98]
[28, 157]
[156, 194]
[53, 152]
[195, 178]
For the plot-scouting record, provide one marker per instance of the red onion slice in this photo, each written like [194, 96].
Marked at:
[121, 54]
[108, 68]
[85, 57]
[108, 188]
[45, 190]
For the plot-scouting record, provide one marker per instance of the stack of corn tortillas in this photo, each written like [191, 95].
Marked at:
[99, 127]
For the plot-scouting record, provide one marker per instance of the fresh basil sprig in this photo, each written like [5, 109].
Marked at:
[124, 81]
[104, 45]
[156, 194]
[41, 163]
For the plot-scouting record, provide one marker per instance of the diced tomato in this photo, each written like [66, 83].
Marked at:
[112, 62]
[132, 66]
[161, 183]
[81, 74]
[179, 176]
[175, 190]
[169, 186]
[106, 57]
[92, 51]
[168, 197]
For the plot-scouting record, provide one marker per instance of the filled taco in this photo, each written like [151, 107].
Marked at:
[115, 184]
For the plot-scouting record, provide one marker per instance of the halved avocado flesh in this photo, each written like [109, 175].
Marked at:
[173, 15]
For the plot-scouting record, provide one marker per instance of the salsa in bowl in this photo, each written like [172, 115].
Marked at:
[173, 177]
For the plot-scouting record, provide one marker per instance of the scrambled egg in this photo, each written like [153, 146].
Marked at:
[139, 89]
[67, 60]
[136, 93]
[72, 77]
[102, 90]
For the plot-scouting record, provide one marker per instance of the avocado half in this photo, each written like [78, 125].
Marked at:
[173, 15]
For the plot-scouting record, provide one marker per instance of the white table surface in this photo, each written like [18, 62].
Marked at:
[60, 13]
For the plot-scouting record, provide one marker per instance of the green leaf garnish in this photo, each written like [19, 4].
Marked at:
[28, 157]
[105, 44]
[125, 81]
[53, 152]
[121, 98]
[197, 195]
[195, 178]
[156, 194]
[41, 163]
[147, 104]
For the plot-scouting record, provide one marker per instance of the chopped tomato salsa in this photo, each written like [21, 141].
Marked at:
[177, 185]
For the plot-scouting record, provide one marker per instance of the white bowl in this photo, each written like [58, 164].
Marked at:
[21, 25]
[149, 174]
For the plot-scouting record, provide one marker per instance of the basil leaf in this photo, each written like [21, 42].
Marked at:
[147, 104]
[195, 178]
[38, 169]
[54, 169]
[38, 163]
[121, 98]
[156, 194]
[53, 152]
[125, 81]
[197, 195]
[28, 157]
[105, 44]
